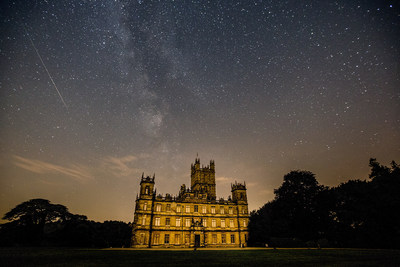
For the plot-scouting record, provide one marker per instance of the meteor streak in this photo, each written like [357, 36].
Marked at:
[44, 65]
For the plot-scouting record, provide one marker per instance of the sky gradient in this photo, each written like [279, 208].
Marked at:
[93, 93]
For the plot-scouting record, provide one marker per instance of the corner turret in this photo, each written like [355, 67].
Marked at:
[147, 186]
[239, 194]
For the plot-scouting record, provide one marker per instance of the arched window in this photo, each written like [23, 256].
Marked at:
[146, 190]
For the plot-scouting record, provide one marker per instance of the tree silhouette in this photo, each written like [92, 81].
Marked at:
[354, 214]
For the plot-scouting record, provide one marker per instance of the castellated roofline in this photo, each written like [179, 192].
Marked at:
[147, 179]
[238, 186]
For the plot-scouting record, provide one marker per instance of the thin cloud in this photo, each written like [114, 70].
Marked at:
[224, 180]
[77, 172]
[120, 166]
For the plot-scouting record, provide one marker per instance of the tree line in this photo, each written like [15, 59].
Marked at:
[356, 213]
[38, 222]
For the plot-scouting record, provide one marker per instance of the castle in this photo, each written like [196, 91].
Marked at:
[193, 218]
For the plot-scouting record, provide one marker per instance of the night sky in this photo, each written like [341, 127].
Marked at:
[93, 93]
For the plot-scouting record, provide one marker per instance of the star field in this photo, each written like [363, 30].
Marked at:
[261, 87]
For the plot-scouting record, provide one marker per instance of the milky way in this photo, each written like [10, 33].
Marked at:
[261, 87]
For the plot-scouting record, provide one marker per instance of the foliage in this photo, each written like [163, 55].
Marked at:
[37, 222]
[354, 214]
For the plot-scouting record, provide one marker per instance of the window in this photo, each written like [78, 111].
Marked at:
[156, 239]
[213, 223]
[244, 223]
[230, 210]
[166, 239]
[187, 222]
[204, 209]
[244, 211]
[158, 207]
[178, 222]
[223, 238]
[177, 239]
[157, 222]
[222, 223]
[146, 190]
[178, 208]
[233, 239]
[144, 220]
[222, 210]
[187, 209]
[145, 206]
[168, 208]
[231, 224]
[196, 208]
[205, 222]
[141, 240]
[187, 239]
[213, 209]
[167, 221]
[214, 238]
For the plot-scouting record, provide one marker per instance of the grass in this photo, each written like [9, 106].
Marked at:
[242, 257]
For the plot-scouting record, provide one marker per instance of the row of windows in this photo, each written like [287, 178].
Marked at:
[188, 222]
[156, 240]
[195, 208]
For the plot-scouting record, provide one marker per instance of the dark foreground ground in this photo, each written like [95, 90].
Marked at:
[238, 257]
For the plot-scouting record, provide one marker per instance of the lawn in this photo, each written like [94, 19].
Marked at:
[245, 257]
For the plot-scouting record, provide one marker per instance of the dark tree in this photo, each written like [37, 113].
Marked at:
[294, 216]
[296, 204]
[29, 220]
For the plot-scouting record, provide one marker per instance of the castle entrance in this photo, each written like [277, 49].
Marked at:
[197, 241]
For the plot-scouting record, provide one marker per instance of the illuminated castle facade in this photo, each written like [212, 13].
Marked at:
[193, 218]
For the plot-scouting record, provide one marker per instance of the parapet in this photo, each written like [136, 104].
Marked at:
[238, 186]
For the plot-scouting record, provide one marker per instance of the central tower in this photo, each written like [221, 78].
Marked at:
[203, 179]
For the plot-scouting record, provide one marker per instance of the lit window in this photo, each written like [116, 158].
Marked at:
[141, 239]
[204, 209]
[158, 207]
[146, 190]
[177, 239]
[144, 220]
[230, 210]
[157, 222]
[231, 223]
[145, 206]
[222, 223]
[244, 211]
[213, 223]
[223, 238]
[187, 209]
[187, 222]
[196, 208]
[156, 239]
[214, 238]
[187, 239]
[167, 221]
[178, 208]
[222, 210]
[213, 209]
[244, 223]
[233, 239]
[178, 222]
[166, 239]
[168, 208]
[205, 222]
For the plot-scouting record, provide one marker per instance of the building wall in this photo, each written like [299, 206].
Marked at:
[214, 220]
[195, 218]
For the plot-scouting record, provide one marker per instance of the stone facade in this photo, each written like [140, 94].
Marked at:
[193, 218]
